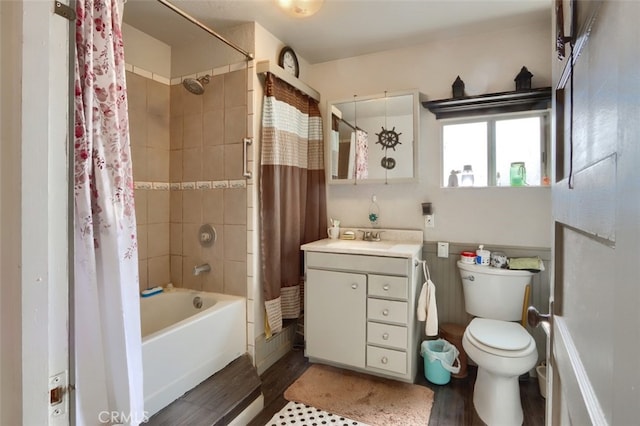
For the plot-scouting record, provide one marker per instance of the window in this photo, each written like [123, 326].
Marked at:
[501, 150]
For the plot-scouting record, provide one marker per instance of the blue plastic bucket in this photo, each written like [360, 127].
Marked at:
[433, 369]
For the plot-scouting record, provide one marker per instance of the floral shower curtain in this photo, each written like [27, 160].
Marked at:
[107, 341]
[360, 149]
[292, 195]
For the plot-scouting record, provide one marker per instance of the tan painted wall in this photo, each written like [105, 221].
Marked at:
[487, 63]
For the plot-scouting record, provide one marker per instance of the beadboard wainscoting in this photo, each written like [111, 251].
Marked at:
[269, 351]
[446, 277]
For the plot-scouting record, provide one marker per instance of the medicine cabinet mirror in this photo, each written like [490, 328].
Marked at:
[374, 139]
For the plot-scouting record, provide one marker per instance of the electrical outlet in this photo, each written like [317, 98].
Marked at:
[429, 221]
[443, 249]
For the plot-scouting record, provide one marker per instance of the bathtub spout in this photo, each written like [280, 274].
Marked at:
[199, 269]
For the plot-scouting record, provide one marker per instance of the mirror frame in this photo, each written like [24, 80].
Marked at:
[415, 143]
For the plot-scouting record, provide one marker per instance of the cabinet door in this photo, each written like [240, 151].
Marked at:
[335, 316]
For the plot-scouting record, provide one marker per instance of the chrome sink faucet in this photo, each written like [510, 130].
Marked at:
[371, 235]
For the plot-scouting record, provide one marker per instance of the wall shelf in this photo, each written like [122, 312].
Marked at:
[493, 103]
[266, 66]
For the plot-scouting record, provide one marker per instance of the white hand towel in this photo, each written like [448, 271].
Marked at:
[427, 310]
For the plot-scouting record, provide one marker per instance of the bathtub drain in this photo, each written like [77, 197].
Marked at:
[197, 302]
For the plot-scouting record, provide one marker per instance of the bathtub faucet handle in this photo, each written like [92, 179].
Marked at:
[199, 269]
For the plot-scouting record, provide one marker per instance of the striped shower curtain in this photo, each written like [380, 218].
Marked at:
[292, 195]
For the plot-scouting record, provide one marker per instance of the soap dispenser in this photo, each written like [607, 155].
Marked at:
[483, 257]
[374, 212]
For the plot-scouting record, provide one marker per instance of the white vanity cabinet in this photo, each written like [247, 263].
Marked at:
[360, 306]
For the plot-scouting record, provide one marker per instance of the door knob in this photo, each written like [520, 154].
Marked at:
[534, 318]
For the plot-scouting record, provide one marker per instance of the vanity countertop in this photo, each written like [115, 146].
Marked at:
[394, 243]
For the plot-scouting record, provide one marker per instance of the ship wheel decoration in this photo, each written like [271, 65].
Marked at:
[388, 138]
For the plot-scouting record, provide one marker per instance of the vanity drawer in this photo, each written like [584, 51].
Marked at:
[358, 263]
[385, 286]
[387, 335]
[387, 359]
[387, 311]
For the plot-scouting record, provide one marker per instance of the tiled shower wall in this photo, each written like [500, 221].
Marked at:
[187, 165]
[149, 132]
[206, 149]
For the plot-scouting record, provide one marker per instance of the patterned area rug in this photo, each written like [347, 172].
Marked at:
[297, 414]
[363, 398]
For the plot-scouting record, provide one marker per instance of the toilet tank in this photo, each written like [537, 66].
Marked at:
[493, 292]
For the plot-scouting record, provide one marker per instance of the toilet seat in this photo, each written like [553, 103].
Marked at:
[500, 338]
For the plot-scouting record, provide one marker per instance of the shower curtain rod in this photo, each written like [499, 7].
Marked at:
[185, 15]
[349, 124]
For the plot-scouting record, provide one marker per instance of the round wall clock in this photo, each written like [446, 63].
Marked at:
[289, 61]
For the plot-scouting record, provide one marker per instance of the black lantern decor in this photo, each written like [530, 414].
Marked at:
[458, 88]
[523, 79]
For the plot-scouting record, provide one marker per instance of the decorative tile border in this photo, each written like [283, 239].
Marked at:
[147, 74]
[162, 186]
[178, 80]
[201, 184]
[143, 185]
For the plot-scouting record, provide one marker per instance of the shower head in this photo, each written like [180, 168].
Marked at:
[196, 85]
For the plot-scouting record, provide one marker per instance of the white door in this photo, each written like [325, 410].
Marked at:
[594, 340]
[44, 110]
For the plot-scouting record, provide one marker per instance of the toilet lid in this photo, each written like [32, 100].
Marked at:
[508, 336]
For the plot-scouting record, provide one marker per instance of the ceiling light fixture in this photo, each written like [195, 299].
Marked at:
[300, 8]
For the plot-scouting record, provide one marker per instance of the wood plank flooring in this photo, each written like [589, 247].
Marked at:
[453, 402]
[216, 401]
[220, 398]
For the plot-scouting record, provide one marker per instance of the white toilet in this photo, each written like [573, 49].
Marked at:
[502, 349]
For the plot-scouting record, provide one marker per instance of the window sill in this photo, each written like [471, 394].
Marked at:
[465, 188]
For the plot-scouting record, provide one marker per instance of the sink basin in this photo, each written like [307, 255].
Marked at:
[407, 247]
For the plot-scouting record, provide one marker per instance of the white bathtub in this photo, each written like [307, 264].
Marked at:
[182, 345]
